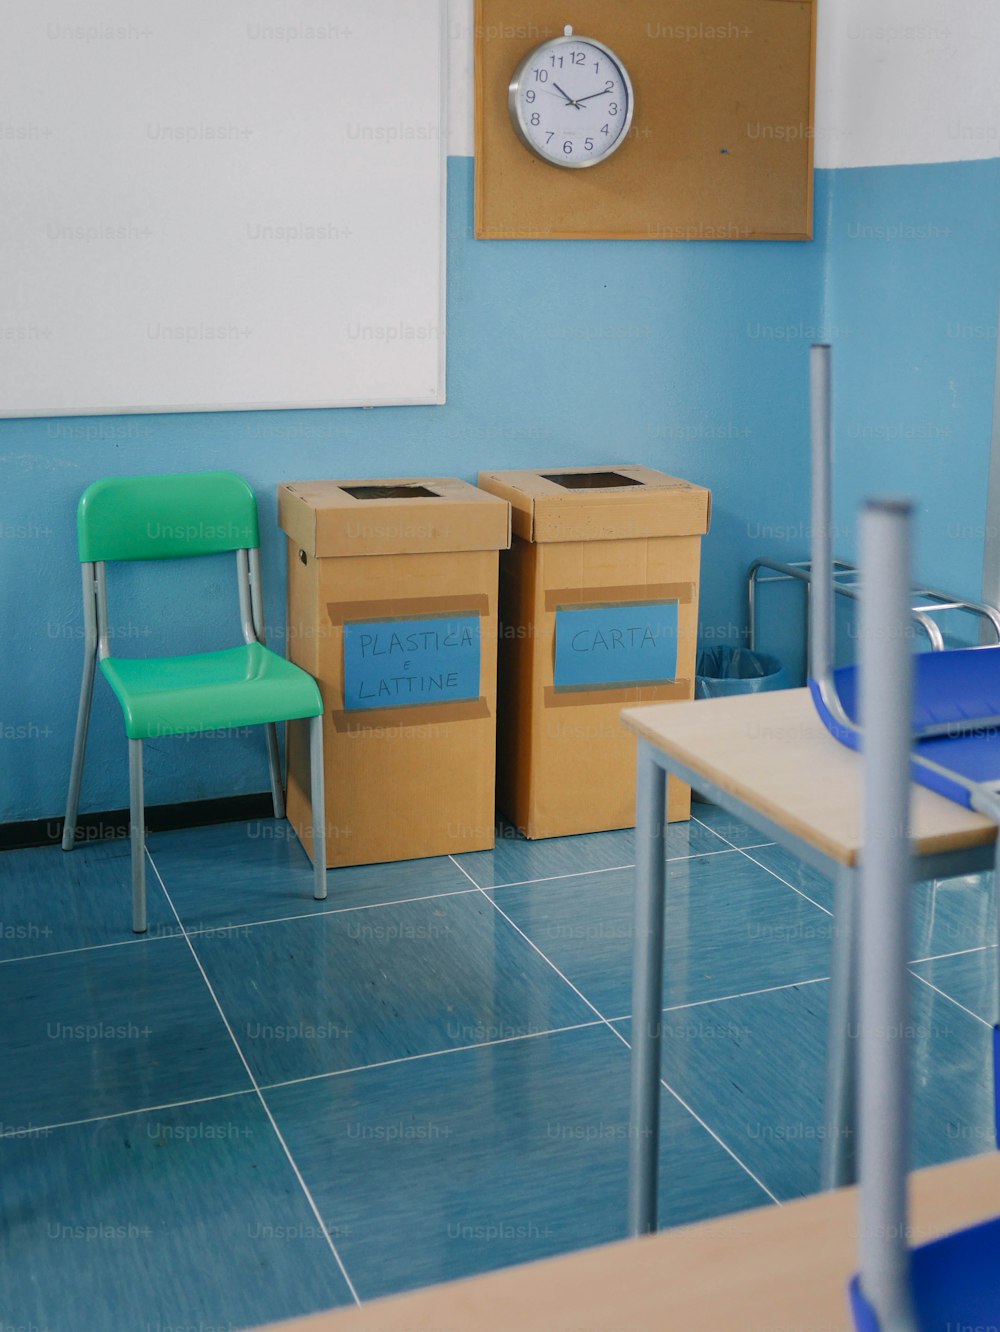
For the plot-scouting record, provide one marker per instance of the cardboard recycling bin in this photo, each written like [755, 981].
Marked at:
[392, 606]
[598, 611]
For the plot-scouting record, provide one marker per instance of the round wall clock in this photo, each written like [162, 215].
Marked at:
[571, 101]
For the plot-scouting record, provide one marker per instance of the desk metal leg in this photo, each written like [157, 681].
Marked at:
[647, 992]
[839, 1133]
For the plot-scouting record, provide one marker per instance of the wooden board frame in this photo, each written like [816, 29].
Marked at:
[721, 144]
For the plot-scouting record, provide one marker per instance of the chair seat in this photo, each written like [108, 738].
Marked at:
[952, 765]
[241, 686]
[956, 1283]
[953, 692]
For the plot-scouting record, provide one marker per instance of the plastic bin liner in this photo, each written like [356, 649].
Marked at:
[721, 671]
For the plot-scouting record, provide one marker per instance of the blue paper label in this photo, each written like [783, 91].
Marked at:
[615, 645]
[406, 663]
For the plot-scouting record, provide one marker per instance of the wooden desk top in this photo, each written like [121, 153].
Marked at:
[775, 1269]
[774, 754]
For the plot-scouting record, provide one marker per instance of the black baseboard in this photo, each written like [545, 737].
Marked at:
[159, 818]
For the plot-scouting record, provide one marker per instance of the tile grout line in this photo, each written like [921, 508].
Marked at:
[31, 1129]
[26, 1131]
[235, 925]
[462, 870]
[959, 952]
[760, 865]
[266, 1108]
[924, 981]
[605, 869]
[330, 911]
[428, 1054]
[727, 998]
[593, 1007]
[525, 883]
[87, 948]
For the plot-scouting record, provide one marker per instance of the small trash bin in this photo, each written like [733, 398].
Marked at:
[722, 671]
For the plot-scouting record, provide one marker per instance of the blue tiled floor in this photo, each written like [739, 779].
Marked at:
[443, 1167]
[730, 927]
[754, 1066]
[296, 1104]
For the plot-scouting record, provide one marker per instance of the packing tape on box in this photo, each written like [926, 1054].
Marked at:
[623, 696]
[409, 718]
[407, 608]
[559, 597]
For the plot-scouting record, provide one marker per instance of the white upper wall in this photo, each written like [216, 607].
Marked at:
[900, 81]
[897, 81]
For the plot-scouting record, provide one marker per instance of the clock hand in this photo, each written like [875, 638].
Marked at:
[603, 93]
[569, 100]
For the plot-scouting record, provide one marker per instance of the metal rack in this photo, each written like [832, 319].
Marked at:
[926, 602]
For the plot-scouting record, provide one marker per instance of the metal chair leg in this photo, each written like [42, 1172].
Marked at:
[83, 711]
[274, 768]
[318, 795]
[137, 836]
[79, 752]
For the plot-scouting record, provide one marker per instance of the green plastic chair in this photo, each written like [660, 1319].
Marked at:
[168, 518]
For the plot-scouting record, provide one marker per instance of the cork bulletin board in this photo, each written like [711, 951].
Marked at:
[720, 146]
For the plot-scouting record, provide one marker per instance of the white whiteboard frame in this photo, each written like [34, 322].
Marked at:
[35, 365]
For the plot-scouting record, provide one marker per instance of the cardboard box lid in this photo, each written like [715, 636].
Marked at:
[601, 503]
[393, 516]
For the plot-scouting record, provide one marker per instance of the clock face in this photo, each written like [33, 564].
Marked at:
[570, 101]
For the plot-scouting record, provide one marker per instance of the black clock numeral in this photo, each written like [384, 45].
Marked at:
[578, 58]
[588, 145]
[613, 109]
[597, 67]
[605, 129]
[541, 76]
[609, 85]
[555, 60]
[568, 147]
[550, 136]
[535, 118]
[529, 96]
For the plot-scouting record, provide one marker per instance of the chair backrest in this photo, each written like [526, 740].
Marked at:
[166, 517]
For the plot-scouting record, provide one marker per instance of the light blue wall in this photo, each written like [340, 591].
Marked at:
[687, 356]
[913, 280]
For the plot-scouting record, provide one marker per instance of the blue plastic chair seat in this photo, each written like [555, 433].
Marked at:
[953, 691]
[956, 1282]
[972, 755]
[241, 686]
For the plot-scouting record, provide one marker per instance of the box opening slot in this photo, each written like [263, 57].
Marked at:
[389, 492]
[591, 480]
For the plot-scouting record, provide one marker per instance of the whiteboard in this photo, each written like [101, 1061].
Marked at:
[221, 204]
